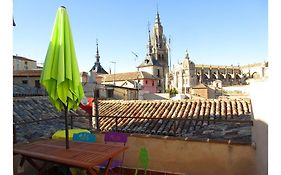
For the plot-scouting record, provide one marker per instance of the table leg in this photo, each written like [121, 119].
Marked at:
[37, 167]
[91, 171]
[22, 161]
[107, 166]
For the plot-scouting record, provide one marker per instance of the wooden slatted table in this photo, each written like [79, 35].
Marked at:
[80, 154]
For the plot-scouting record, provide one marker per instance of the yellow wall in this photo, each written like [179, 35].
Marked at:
[184, 157]
[190, 157]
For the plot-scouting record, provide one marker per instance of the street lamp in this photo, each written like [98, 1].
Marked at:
[114, 62]
[137, 84]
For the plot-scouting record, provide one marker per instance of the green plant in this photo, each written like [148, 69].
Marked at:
[173, 91]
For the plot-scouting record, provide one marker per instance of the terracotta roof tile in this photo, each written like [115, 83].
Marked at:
[197, 115]
[28, 111]
[128, 76]
[200, 86]
[193, 115]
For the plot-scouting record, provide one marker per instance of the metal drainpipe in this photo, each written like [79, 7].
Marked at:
[71, 121]
[97, 114]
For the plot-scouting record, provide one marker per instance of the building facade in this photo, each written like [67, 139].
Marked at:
[138, 80]
[22, 63]
[187, 74]
[183, 75]
[27, 77]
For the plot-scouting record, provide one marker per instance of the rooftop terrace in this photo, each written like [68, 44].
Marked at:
[181, 136]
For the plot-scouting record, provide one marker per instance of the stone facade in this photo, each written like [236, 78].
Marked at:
[156, 60]
[28, 77]
[22, 63]
[183, 75]
[187, 74]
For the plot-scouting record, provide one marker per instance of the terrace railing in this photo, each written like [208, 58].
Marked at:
[192, 122]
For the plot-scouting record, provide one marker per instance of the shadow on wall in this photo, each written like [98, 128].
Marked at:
[260, 139]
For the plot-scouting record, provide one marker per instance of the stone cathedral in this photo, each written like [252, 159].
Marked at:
[156, 61]
[187, 74]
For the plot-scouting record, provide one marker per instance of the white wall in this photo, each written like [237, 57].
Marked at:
[259, 96]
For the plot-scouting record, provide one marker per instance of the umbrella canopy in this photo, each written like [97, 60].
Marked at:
[60, 75]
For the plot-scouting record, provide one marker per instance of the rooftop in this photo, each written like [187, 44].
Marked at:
[195, 119]
[149, 61]
[22, 58]
[27, 73]
[36, 117]
[218, 120]
[26, 90]
[128, 76]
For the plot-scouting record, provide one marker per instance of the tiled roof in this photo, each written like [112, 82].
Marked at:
[128, 76]
[98, 68]
[26, 90]
[200, 86]
[27, 73]
[149, 61]
[265, 63]
[22, 58]
[216, 66]
[36, 117]
[219, 120]
[193, 115]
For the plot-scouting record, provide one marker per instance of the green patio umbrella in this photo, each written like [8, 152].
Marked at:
[60, 75]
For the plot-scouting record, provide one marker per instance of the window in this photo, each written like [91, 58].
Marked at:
[145, 81]
[152, 83]
[37, 83]
[25, 65]
[97, 93]
[110, 93]
[146, 61]
[158, 72]
[159, 82]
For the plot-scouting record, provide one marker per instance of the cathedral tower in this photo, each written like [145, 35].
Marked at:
[159, 45]
[156, 60]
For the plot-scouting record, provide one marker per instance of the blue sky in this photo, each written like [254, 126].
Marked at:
[221, 32]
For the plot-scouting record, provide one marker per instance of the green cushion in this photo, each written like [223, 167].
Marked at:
[60, 134]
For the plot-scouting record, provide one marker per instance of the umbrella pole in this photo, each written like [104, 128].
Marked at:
[66, 128]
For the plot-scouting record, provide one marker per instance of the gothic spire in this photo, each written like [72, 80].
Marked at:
[186, 55]
[157, 19]
[97, 66]
[149, 40]
[97, 55]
